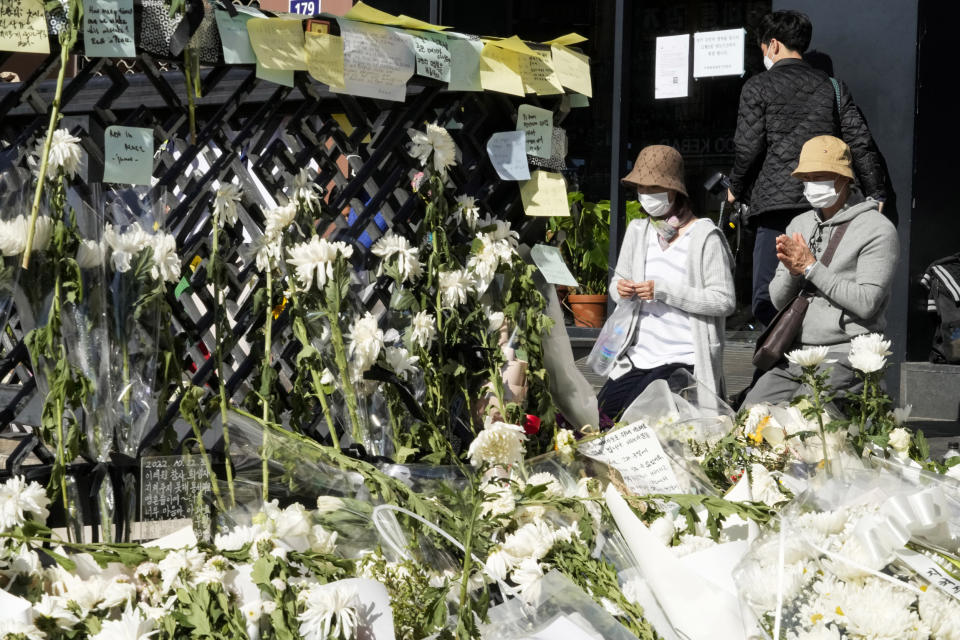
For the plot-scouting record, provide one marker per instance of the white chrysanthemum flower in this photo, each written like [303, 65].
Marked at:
[90, 254]
[875, 608]
[500, 230]
[291, 526]
[408, 263]
[10, 628]
[401, 361]
[941, 614]
[166, 262]
[525, 574]
[634, 590]
[900, 440]
[455, 286]
[315, 259]
[871, 343]
[423, 329]
[55, 608]
[565, 443]
[19, 498]
[550, 482]
[178, 567]
[902, 414]
[366, 341]
[330, 612]
[498, 499]
[867, 361]
[499, 564]
[495, 320]
[225, 203]
[278, 219]
[322, 541]
[132, 625]
[13, 235]
[125, 245]
[329, 504]
[436, 141]
[234, 539]
[467, 211]
[498, 443]
[65, 153]
[809, 356]
[819, 631]
[268, 253]
[305, 190]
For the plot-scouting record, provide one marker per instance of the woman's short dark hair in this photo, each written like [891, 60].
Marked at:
[681, 206]
[791, 28]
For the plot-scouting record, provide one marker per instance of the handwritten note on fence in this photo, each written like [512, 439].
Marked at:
[538, 74]
[108, 29]
[636, 453]
[23, 26]
[432, 54]
[128, 155]
[377, 62]
[169, 486]
[538, 125]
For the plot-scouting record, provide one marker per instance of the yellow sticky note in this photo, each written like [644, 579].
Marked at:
[545, 194]
[573, 69]
[347, 128]
[538, 74]
[325, 58]
[278, 43]
[513, 43]
[500, 70]
[567, 40]
[23, 26]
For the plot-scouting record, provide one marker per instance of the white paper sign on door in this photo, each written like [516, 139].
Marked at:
[718, 53]
[672, 75]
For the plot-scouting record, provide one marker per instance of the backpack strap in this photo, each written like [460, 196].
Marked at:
[836, 90]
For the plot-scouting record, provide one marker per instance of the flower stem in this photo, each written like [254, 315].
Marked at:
[206, 461]
[265, 384]
[468, 562]
[340, 357]
[45, 154]
[221, 329]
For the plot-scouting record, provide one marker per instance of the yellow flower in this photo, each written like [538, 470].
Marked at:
[840, 612]
[815, 618]
[757, 435]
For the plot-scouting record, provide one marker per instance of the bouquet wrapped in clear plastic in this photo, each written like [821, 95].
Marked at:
[870, 555]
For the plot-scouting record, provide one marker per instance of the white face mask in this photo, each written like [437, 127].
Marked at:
[655, 204]
[820, 194]
[767, 62]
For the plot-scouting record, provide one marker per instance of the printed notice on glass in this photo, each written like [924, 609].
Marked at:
[718, 53]
[23, 26]
[128, 155]
[636, 453]
[672, 75]
[377, 62]
[108, 29]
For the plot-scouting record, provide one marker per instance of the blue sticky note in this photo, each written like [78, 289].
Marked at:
[508, 154]
[278, 76]
[108, 29]
[234, 36]
[128, 155]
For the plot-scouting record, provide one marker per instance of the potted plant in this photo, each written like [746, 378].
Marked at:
[584, 241]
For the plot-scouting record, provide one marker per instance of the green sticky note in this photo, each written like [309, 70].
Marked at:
[182, 286]
[578, 101]
[465, 64]
[108, 29]
[275, 75]
[234, 36]
[128, 155]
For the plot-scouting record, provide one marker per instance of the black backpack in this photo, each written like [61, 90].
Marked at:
[942, 278]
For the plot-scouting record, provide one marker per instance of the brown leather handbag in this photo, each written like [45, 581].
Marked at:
[782, 331]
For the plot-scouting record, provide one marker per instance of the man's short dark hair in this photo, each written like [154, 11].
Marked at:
[791, 28]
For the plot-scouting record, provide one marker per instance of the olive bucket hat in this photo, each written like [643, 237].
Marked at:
[657, 166]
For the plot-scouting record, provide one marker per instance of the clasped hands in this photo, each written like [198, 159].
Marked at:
[793, 253]
[628, 289]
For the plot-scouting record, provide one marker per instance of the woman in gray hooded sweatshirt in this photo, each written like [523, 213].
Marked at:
[850, 295]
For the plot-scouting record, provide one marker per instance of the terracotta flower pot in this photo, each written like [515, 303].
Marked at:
[588, 311]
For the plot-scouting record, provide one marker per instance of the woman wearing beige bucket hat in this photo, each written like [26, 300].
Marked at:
[675, 273]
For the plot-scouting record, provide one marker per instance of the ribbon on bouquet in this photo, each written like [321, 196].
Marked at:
[900, 519]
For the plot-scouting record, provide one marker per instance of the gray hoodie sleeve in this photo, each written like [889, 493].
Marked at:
[716, 297]
[863, 293]
[628, 249]
[784, 287]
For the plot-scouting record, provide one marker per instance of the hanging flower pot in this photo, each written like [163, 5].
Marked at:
[588, 310]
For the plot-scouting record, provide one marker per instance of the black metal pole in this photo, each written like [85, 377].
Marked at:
[620, 95]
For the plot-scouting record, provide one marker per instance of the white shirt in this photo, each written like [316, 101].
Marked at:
[663, 332]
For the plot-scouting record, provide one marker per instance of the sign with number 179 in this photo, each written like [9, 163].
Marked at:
[305, 7]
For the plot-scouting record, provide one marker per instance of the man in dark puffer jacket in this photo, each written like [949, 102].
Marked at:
[779, 111]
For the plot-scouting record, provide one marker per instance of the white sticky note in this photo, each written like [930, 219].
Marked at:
[108, 29]
[672, 74]
[432, 54]
[538, 125]
[128, 155]
[464, 64]
[508, 154]
[718, 53]
[377, 61]
[550, 262]
[234, 37]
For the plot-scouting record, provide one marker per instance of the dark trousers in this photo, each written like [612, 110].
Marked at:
[617, 395]
[768, 226]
